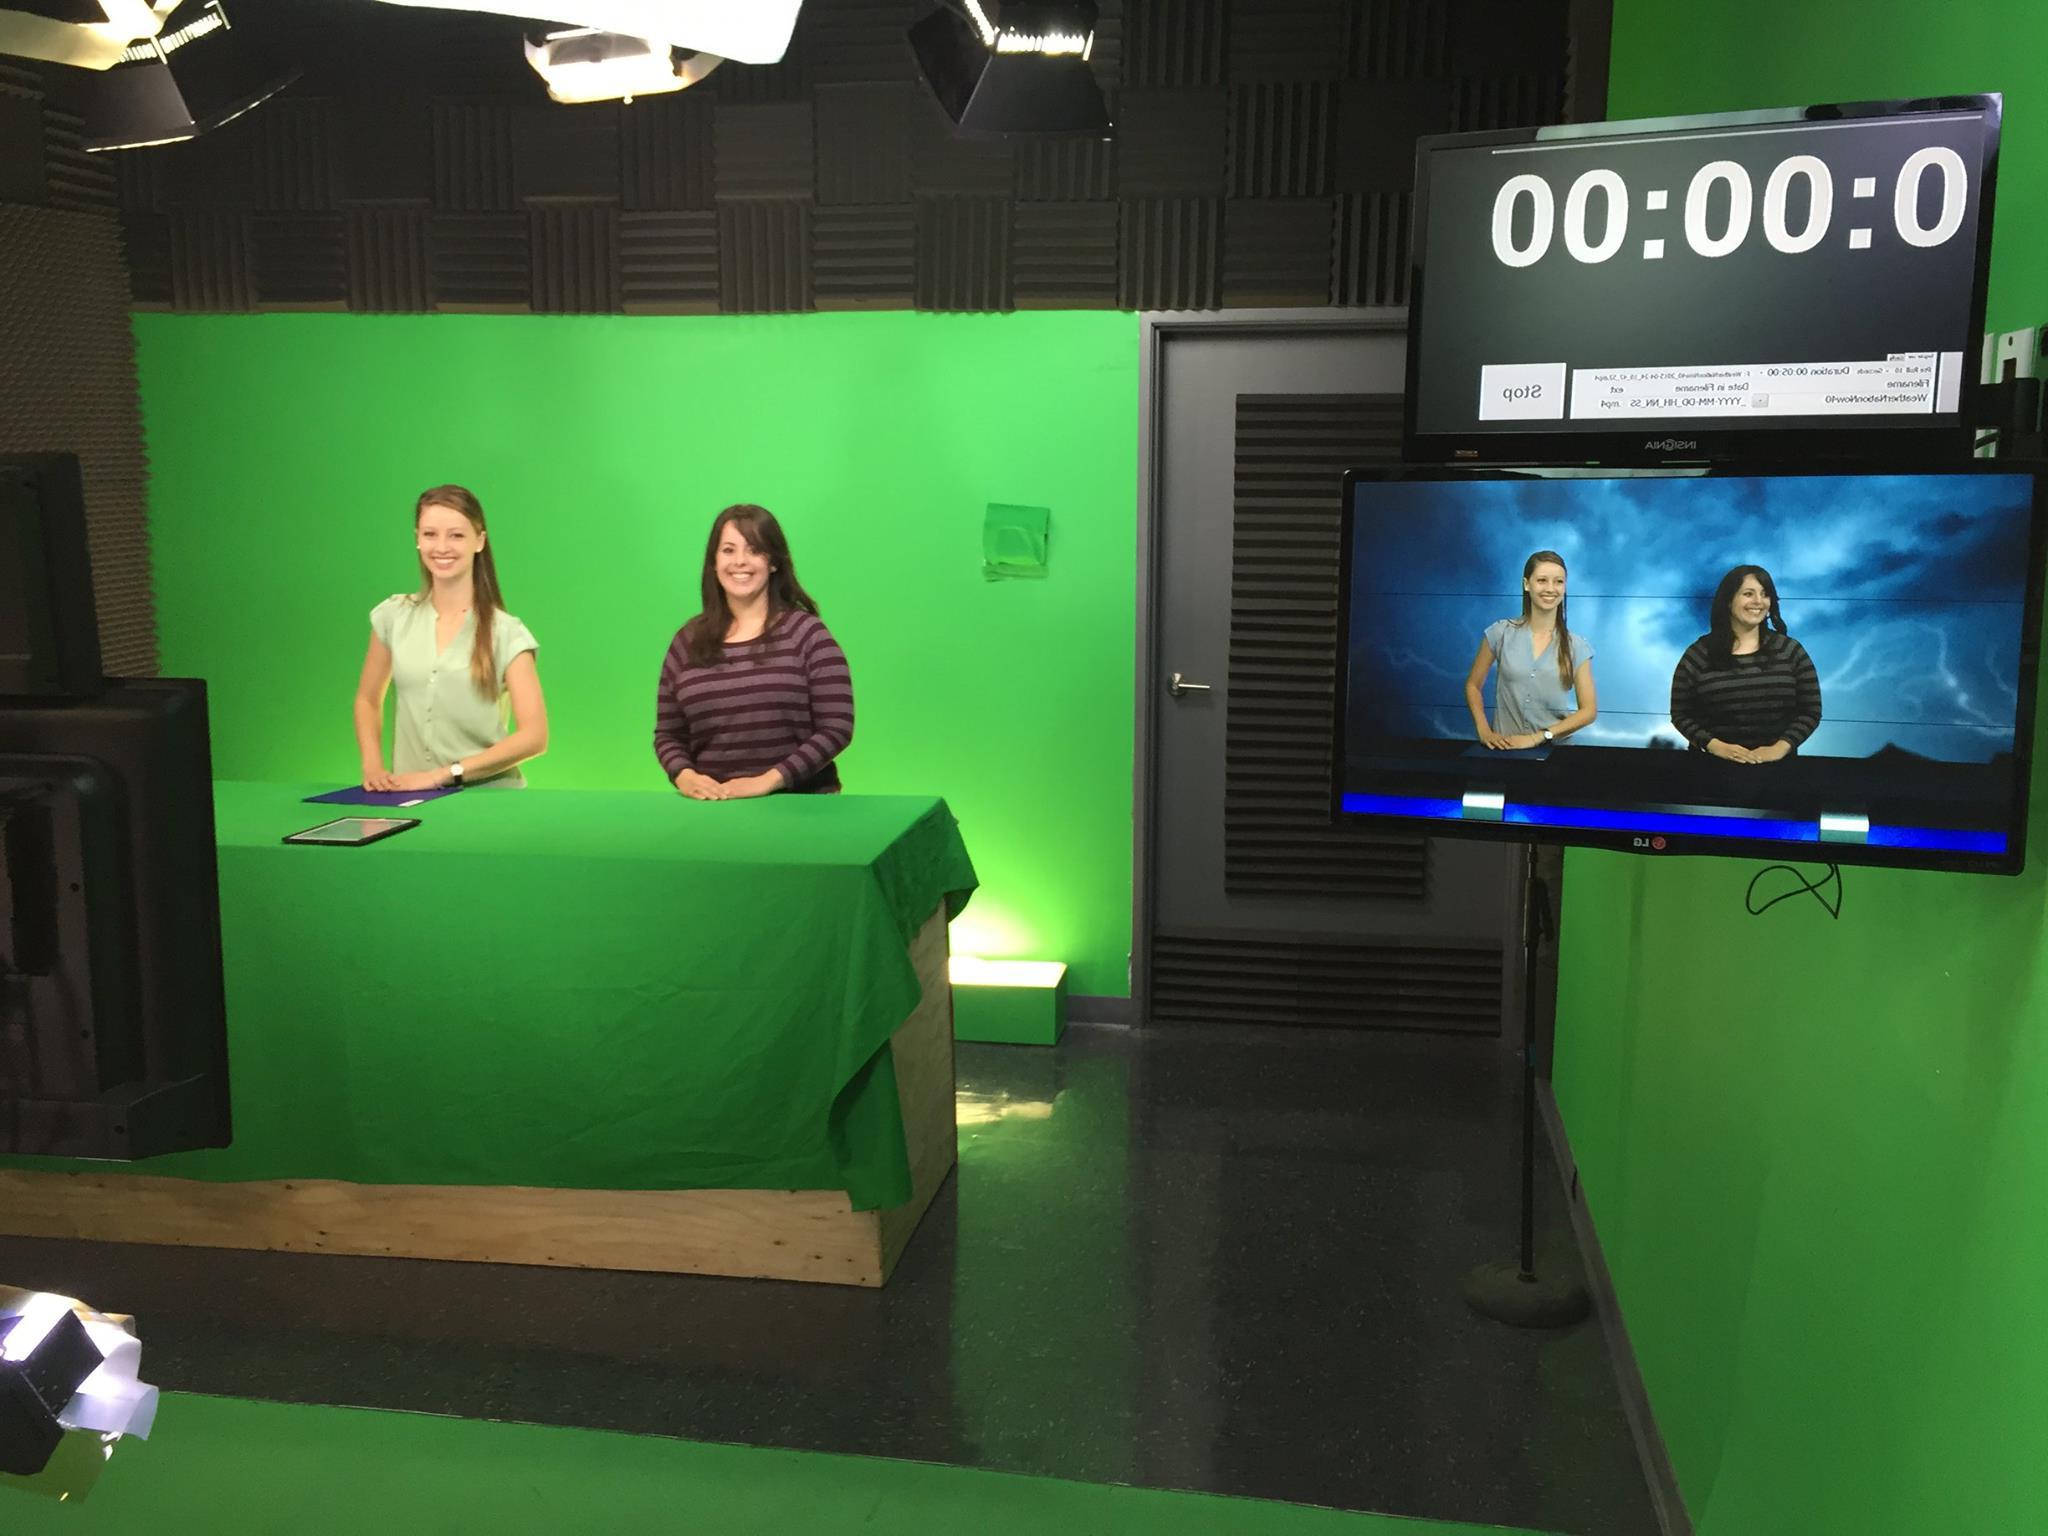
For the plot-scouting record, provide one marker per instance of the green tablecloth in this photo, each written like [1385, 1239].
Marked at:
[576, 990]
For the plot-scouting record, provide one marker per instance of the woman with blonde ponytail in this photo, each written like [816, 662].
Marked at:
[460, 661]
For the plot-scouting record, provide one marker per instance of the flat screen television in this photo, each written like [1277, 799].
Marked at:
[1776, 284]
[113, 1015]
[1865, 697]
[113, 1022]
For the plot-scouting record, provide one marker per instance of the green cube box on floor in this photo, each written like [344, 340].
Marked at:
[1009, 1002]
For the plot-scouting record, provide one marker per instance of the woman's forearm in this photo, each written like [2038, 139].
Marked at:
[830, 686]
[1686, 721]
[370, 732]
[1806, 716]
[1475, 701]
[816, 750]
[1577, 720]
[522, 745]
[673, 752]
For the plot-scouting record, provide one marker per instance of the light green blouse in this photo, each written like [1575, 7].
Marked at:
[440, 715]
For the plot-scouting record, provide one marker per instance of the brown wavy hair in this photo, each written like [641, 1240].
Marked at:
[757, 525]
[486, 598]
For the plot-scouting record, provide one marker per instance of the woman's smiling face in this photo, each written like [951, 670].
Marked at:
[742, 568]
[1545, 586]
[1751, 604]
[448, 542]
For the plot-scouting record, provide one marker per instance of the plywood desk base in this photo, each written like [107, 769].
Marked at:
[804, 1234]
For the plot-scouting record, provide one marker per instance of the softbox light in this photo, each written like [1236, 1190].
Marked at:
[64, 1368]
[744, 31]
[86, 34]
[583, 66]
[45, 1355]
[1022, 71]
[192, 78]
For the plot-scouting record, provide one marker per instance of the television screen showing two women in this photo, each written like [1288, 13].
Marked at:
[1679, 661]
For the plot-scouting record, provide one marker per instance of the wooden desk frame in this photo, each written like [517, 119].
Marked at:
[804, 1234]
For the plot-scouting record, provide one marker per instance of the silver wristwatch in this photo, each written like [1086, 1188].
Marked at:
[455, 774]
[1547, 740]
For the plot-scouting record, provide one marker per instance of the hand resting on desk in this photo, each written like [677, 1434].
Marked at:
[700, 786]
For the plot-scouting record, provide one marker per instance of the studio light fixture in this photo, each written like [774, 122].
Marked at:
[65, 1367]
[44, 1356]
[585, 65]
[1008, 1002]
[973, 971]
[1013, 69]
[81, 33]
[197, 73]
[744, 31]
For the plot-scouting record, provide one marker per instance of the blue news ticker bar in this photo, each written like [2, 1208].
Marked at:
[1935, 839]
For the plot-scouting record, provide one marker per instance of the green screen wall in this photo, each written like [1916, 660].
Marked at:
[286, 450]
[1816, 1151]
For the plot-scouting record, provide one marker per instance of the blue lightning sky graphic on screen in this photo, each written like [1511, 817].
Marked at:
[1908, 591]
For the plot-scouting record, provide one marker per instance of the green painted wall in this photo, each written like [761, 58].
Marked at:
[1815, 1151]
[286, 450]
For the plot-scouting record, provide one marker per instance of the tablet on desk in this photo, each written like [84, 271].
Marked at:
[354, 831]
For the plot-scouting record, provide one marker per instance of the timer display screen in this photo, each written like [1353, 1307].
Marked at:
[1754, 271]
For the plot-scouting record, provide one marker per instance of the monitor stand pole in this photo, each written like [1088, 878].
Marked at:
[1514, 1293]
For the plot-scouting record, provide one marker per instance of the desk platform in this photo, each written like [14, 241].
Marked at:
[545, 1026]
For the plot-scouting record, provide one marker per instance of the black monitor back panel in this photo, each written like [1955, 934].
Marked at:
[116, 1041]
[49, 629]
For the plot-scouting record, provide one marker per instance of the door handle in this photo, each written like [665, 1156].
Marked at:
[1178, 685]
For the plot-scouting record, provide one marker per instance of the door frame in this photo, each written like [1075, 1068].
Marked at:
[1155, 328]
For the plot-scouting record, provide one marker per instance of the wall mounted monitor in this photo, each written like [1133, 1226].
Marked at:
[1864, 696]
[1794, 283]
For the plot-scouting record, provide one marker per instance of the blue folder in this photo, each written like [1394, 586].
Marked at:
[355, 794]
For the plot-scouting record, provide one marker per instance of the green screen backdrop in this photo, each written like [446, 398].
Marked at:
[286, 451]
[1815, 1151]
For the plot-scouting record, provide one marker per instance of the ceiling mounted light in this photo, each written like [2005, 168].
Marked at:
[1008, 69]
[199, 72]
[745, 31]
[81, 33]
[585, 65]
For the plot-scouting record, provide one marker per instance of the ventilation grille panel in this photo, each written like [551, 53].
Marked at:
[1278, 837]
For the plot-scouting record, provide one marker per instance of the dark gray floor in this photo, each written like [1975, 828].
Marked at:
[1226, 1260]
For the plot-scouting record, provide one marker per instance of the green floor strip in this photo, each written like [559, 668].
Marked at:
[220, 1465]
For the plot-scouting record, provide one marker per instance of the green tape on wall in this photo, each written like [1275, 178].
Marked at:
[285, 452]
[1014, 541]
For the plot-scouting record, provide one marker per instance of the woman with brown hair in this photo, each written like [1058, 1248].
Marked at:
[755, 696]
[1746, 691]
[459, 660]
[1545, 689]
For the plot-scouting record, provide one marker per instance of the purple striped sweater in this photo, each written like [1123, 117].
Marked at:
[783, 701]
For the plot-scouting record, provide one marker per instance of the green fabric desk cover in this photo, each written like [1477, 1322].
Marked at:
[574, 990]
